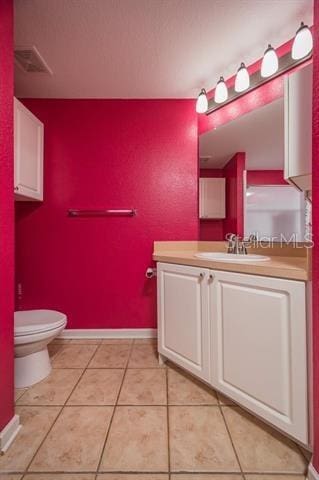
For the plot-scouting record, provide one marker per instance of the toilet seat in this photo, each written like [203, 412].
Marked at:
[29, 322]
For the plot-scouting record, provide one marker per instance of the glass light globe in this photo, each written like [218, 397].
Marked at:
[242, 81]
[269, 64]
[202, 102]
[221, 91]
[303, 42]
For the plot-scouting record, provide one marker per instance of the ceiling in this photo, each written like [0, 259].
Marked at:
[260, 134]
[147, 48]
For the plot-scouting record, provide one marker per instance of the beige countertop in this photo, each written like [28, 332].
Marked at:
[285, 261]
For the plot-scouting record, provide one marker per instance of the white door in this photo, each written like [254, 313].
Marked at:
[28, 154]
[183, 335]
[259, 350]
[212, 198]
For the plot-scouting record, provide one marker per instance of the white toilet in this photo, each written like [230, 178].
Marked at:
[33, 331]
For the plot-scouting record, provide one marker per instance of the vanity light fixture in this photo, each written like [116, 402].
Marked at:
[269, 64]
[221, 91]
[202, 102]
[303, 42]
[271, 67]
[242, 81]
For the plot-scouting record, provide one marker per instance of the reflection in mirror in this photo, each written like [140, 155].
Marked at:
[242, 185]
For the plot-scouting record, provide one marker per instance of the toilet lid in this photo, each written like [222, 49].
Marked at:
[27, 322]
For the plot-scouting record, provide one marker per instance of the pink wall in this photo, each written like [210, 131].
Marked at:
[211, 229]
[107, 154]
[266, 177]
[234, 174]
[6, 212]
[315, 213]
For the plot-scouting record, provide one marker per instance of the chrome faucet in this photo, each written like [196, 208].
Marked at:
[238, 246]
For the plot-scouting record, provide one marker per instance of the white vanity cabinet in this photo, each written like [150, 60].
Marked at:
[28, 154]
[183, 317]
[298, 128]
[259, 347]
[212, 198]
[243, 334]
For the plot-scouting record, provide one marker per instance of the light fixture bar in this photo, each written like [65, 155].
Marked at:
[286, 63]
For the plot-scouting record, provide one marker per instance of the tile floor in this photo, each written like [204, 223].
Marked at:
[108, 411]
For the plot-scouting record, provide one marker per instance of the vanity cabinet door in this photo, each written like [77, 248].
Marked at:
[259, 351]
[211, 198]
[28, 154]
[183, 335]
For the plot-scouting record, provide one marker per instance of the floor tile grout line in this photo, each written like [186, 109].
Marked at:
[114, 409]
[232, 442]
[58, 416]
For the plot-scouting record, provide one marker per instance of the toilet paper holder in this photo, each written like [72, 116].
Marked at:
[150, 272]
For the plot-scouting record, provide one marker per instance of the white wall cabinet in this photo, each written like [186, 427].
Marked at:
[298, 128]
[183, 317]
[28, 154]
[243, 334]
[212, 198]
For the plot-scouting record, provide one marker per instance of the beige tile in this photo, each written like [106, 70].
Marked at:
[54, 390]
[86, 341]
[145, 341]
[198, 476]
[144, 356]
[36, 422]
[274, 477]
[117, 341]
[136, 476]
[262, 449]
[223, 400]
[75, 442]
[97, 387]
[54, 349]
[74, 356]
[59, 476]
[9, 476]
[110, 356]
[18, 392]
[137, 441]
[183, 389]
[144, 387]
[199, 441]
[60, 341]
[306, 453]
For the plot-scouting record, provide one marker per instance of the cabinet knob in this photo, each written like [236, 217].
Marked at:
[211, 277]
[201, 275]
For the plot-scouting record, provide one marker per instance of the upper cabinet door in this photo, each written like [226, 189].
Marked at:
[28, 154]
[298, 128]
[211, 198]
[259, 347]
[183, 335]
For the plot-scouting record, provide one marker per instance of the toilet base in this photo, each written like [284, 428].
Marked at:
[32, 368]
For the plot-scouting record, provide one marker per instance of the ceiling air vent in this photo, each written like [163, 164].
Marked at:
[30, 60]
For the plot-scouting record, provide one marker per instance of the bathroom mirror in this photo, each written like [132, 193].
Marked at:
[244, 160]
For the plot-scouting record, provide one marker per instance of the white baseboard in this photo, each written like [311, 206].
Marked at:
[8, 434]
[109, 333]
[312, 473]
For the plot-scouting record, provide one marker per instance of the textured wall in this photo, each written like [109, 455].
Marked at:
[107, 154]
[6, 212]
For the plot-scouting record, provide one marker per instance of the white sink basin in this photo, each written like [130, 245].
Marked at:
[231, 257]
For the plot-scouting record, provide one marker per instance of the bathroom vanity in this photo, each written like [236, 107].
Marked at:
[239, 327]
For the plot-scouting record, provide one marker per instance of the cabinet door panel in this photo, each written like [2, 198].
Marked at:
[212, 198]
[182, 317]
[259, 347]
[28, 153]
